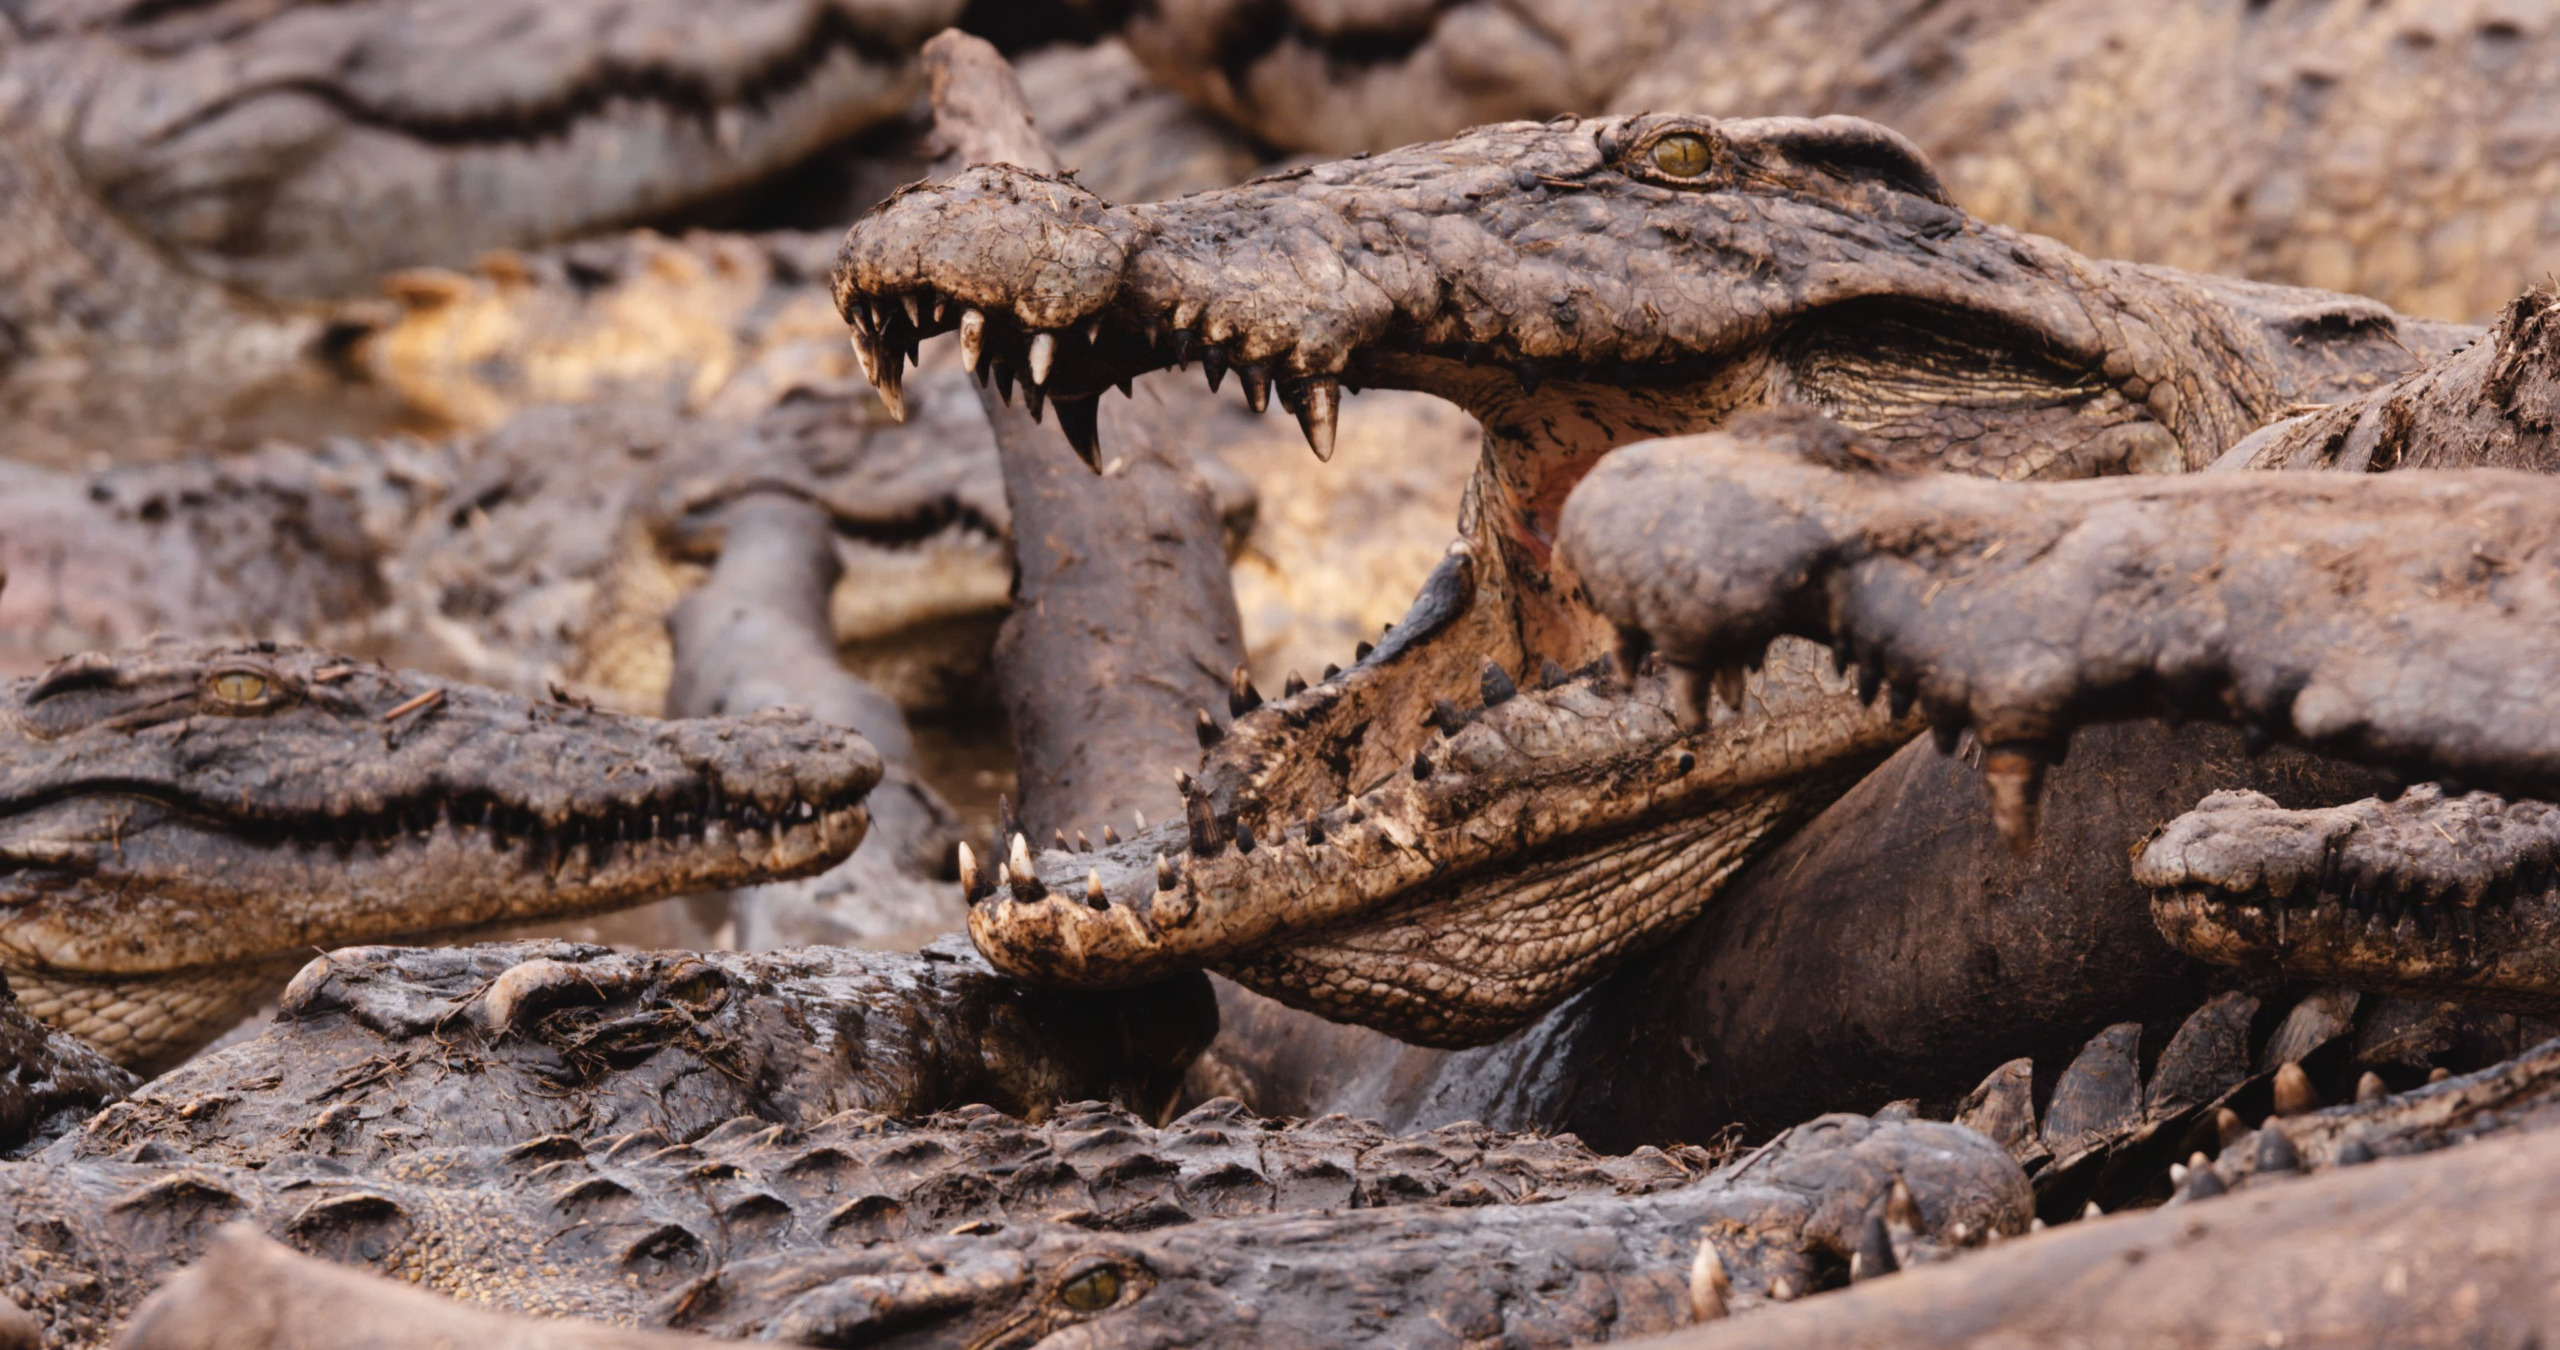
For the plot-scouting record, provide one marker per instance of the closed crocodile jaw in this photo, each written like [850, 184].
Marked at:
[2428, 895]
[176, 812]
[79, 872]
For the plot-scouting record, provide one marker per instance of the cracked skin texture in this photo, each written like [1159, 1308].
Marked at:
[186, 820]
[2401, 621]
[2428, 894]
[378, 1053]
[1574, 286]
[969, 1229]
[2395, 149]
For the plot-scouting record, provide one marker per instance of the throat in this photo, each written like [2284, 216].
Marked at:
[1537, 448]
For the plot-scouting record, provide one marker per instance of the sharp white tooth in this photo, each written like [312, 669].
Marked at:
[1044, 349]
[870, 360]
[892, 384]
[1018, 858]
[1316, 416]
[941, 309]
[915, 312]
[1093, 330]
[973, 331]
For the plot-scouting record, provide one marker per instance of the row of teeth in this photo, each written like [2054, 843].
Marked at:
[2378, 911]
[1207, 835]
[885, 338]
[698, 818]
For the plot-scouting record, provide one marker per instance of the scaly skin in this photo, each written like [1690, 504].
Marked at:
[252, 1290]
[970, 1229]
[1574, 286]
[2402, 621]
[379, 1052]
[2429, 895]
[2254, 139]
[182, 817]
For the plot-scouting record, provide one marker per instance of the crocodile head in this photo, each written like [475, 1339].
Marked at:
[1481, 814]
[179, 820]
[2432, 895]
[302, 149]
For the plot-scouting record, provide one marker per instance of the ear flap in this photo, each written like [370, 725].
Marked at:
[1850, 147]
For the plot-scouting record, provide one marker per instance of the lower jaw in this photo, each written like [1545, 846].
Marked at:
[1465, 962]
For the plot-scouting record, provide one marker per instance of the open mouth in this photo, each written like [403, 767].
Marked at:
[1449, 835]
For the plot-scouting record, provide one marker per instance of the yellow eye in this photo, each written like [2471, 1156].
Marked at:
[240, 686]
[1093, 1291]
[1682, 155]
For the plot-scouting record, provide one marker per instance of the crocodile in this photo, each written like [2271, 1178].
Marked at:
[2393, 149]
[51, 1082]
[2431, 894]
[2395, 620]
[304, 797]
[250, 1289]
[1574, 286]
[979, 1228]
[545, 551]
[299, 150]
[2119, 1124]
[205, 193]
[376, 1053]
[2434, 1250]
[1894, 947]
[2494, 404]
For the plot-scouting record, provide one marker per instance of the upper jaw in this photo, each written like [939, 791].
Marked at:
[1504, 260]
